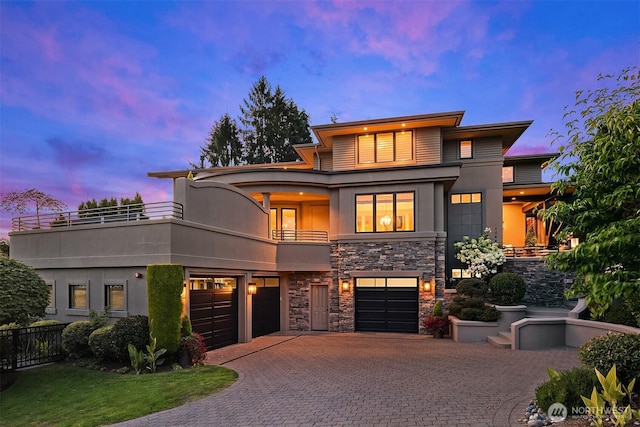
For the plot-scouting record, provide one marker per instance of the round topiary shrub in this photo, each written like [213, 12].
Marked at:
[100, 343]
[567, 388]
[129, 330]
[490, 314]
[75, 339]
[604, 351]
[23, 294]
[472, 288]
[507, 288]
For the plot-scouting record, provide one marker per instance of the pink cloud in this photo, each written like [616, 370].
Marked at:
[87, 73]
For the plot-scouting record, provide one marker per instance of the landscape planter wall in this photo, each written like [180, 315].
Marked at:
[544, 333]
[510, 314]
[471, 330]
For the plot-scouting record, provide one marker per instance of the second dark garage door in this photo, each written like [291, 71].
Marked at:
[265, 317]
[386, 304]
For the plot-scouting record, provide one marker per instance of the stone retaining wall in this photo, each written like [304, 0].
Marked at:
[545, 288]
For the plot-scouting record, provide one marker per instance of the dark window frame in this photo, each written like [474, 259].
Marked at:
[375, 147]
[394, 213]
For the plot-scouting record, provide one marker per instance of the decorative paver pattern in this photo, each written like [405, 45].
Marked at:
[368, 379]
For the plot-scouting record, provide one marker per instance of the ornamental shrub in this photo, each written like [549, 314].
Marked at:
[186, 329]
[507, 288]
[624, 312]
[164, 287]
[622, 350]
[437, 309]
[75, 337]
[129, 330]
[23, 294]
[472, 288]
[195, 347]
[45, 322]
[481, 255]
[566, 388]
[100, 343]
[490, 314]
[470, 313]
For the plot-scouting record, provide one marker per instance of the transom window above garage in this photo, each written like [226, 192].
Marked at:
[385, 212]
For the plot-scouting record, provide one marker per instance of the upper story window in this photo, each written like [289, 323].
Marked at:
[466, 198]
[507, 174]
[466, 149]
[385, 147]
[385, 212]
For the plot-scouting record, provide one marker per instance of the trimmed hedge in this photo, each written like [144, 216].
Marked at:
[472, 287]
[164, 287]
[100, 343]
[129, 330]
[604, 351]
[507, 288]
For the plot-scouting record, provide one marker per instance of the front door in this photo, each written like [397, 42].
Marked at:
[319, 308]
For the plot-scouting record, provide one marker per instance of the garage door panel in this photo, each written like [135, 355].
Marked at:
[265, 311]
[386, 309]
[214, 315]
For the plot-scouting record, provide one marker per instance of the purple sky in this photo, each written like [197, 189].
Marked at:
[93, 95]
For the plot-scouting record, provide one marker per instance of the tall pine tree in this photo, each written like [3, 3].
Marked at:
[224, 147]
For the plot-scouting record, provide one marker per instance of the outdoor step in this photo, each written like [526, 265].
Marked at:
[499, 341]
[505, 335]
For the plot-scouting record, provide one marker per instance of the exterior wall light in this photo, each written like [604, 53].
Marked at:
[430, 285]
[345, 286]
[138, 275]
[252, 289]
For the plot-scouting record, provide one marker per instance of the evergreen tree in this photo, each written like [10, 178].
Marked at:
[223, 144]
[272, 125]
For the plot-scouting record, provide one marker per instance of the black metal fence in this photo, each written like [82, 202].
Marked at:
[30, 346]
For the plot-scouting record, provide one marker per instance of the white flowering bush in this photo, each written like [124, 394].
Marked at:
[481, 255]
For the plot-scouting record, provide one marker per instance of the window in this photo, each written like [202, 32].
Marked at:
[288, 221]
[389, 282]
[466, 149]
[507, 174]
[78, 296]
[466, 198]
[114, 297]
[460, 273]
[52, 297]
[385, 212]
[385, 147]
[273, 219]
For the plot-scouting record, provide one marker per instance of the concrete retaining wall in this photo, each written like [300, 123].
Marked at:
[544, 333]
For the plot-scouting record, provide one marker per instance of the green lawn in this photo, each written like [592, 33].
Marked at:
[64, 395]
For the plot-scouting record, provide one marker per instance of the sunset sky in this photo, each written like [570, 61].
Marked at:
[93, 95]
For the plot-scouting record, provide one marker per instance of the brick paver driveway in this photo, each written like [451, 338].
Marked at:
[368, 379]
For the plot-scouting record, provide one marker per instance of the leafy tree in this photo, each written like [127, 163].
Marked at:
[600, 159]
[4, 247]
[23, 294]
[19, 201]
[224, 147]
[272, 125]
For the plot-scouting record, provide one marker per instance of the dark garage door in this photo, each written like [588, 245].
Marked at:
[265, 310]
[214, 315]
[386, 304]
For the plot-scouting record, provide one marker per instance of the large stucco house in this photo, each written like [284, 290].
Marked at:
[357, 236]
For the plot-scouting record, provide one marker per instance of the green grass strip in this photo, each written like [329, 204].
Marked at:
[64, 395]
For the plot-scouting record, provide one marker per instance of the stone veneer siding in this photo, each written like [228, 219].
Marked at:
[347, 258]
[545, 288]
[300, 298]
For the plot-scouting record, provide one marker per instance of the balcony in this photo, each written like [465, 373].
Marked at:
[529, 251]
[300, 235]
[127, 213]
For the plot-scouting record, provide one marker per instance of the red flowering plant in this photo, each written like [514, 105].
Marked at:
[195, 347]
[435, 321]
